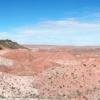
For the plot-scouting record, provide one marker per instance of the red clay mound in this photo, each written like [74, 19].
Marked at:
[29, 62]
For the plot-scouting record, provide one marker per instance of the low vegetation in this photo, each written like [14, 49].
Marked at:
[9, 44]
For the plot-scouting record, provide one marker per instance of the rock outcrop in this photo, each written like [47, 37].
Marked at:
[9, 44]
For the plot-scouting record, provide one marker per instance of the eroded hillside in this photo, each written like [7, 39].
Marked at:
[52, 72]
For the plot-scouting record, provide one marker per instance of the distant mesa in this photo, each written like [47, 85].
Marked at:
[8, 44]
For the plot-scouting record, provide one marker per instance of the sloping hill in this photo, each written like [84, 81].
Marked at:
[9, 44]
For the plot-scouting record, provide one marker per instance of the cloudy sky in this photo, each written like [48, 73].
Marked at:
[60, 22]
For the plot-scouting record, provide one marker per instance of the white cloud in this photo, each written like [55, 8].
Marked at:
[69, 31]
[59, 26]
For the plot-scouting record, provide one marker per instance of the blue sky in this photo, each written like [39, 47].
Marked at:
[61, 22]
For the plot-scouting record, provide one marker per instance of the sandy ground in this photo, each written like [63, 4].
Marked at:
[59, 73]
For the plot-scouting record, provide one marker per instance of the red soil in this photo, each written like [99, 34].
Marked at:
[73, 73]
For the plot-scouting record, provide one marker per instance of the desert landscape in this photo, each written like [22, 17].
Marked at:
[49, 72]
[49, 49]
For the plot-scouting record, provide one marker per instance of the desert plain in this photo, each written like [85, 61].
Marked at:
[50, 72]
